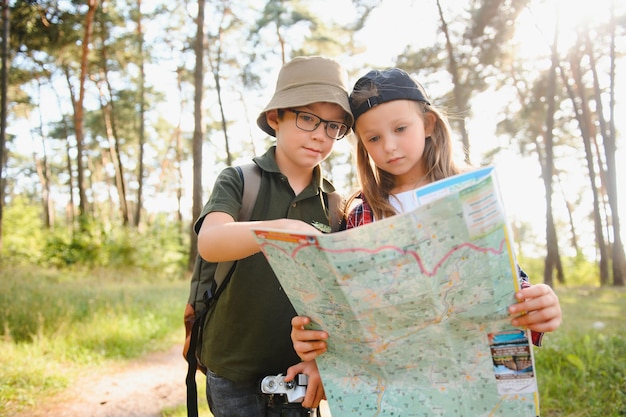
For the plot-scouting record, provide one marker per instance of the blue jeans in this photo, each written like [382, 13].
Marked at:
[243, 399]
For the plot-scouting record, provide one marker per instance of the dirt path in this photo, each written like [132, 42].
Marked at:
[140, 389]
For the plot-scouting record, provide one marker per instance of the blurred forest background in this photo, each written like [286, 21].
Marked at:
[118, 114]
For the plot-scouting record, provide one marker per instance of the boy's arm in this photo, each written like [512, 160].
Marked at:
[221, 238]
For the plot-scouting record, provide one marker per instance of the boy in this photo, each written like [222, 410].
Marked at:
[248, 334]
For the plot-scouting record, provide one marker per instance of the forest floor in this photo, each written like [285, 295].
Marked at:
[140, 388]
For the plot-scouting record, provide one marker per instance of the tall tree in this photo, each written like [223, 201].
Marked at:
[552, 249]
[475, 45]
[275, 13]
[527, 120]
[107, 103]
[215, 53]
[43, 171]
[460, 94]
[142, 114]
[198, 130]
[79, 110]
[580, 103]
[3, 102]
[608, 133]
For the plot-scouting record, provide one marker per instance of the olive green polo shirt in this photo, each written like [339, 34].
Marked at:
[247, 335]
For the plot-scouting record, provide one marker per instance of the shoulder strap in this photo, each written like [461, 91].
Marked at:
[250, 175]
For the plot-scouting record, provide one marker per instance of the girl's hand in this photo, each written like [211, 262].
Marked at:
[308, 344]
[541, 304]
[315, 389]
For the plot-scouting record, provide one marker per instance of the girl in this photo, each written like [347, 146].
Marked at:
[403, 143]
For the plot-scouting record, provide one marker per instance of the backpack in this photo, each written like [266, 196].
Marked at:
[209, 279]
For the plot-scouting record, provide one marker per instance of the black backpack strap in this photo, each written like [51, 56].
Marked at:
[192, 362]
[250, 175]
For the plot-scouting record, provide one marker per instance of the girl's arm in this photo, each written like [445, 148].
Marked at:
[315, 389]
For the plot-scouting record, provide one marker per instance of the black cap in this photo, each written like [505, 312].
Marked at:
[392, 84]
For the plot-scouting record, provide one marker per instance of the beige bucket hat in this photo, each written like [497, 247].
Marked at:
[306, 80]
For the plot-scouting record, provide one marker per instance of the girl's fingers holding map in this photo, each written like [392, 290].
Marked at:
[308, 344]
[542, 308]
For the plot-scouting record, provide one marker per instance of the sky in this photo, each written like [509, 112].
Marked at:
[390, 27]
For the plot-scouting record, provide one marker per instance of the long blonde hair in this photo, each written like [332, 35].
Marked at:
[377, 184]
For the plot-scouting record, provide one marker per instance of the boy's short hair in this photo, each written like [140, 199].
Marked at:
[306, 80]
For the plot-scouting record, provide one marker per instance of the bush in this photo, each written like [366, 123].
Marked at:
[162, 247]
[578, 270]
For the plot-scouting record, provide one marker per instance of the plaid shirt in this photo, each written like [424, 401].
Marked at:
[362, 214]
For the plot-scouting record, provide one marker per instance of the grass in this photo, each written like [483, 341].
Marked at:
[56, 324]
[582, 367]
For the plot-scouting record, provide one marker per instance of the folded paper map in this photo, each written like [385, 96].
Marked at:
[416, 307]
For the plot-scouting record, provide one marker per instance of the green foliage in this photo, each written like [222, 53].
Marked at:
[22, 231]
[578, 270]
[161, 247]
[55, 323]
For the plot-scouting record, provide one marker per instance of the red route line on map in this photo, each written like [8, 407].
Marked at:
[411, 253]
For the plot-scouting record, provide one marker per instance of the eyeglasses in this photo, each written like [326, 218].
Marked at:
[309, 122]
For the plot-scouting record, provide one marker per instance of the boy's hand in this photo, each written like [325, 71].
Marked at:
[294, 225]
[307, 343]
[315, 389]
[541, 304]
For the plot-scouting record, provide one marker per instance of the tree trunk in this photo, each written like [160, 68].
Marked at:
[43, 172]
[108, 110]
[70, 215]
[608, 138]
[459, 96]
[109, 125]
[142, 117]
[552, 256]
[583, 115]
[570, 219]
[79, 110]
[198, 129]
[3, 102]
[218, 89]
[216, 69]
